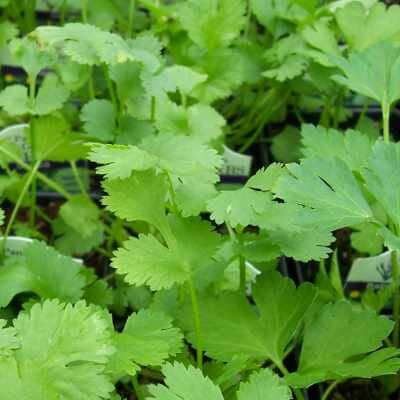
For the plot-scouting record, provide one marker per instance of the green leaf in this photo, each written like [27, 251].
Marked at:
[145, 260]
[14, 99]
[266, 179]
[185, 384]
[62, 351]
[336, 346]
[80, 209]
[51, 96]
[285, 146]
[185, 78]
[304, 245]
[69, 240]
[99, 121]
[329, 188]
[382, 62]
[138, 198]
[27, 54]
[120, 161]
[363, 26]
[212, 24]
[260, 334]
[382, 164]
[238, 207]
[43, 271]
[264, 385]
[367, 240]
[148, 339]
[199, 121]
[326, 143]
[53, 140]
[186, 161]
[85, 44]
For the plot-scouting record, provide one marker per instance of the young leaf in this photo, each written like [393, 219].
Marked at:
[336, 346]
[79, 208]
[14, 99]
[382, 164]
[326, 143]
[51, 96]
[145, 260]
[99, 120]
[148, 339]
[138, 198]
[364, 27]
[184, 78]
[62, 350]
[264, 385]
[329, 187]
[212, 24]
[120, 161]
[374, 73]
[185, 384]
[43, 271]
[259, 334]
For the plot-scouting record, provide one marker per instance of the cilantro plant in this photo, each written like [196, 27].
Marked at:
[176, 290]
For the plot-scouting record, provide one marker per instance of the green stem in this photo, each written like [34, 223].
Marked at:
[62, 12]
[50, 183]
[386, 121]
[396, 305]
[284, 371]
[78, 179]
[242, 266]
[197, 324]
[138, 389]
[85, 11]
[32, 215]
[132, 8]
[111, 90]
[18, 204]
[329, 390]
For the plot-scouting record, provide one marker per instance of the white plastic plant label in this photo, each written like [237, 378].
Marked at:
[17, 134]
[15, 246]
[374, 272]
[236, 164]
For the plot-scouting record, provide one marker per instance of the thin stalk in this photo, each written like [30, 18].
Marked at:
[284, 371]
[63, 12]
[386, 121]
[110, 88]
[197, 324]
[78, 178]
[32, 215]
[132, 8]
[18, 204]
[138, 389]
[396, 305]
[329, 390]
[49, 182]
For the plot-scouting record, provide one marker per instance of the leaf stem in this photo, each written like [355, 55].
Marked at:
[329, 390]
[386, 121]
[49, 182]
[18, 204]
[132, 8]
[138, 389]
[284, 371]
[197, 324]
[396, 305]
[78, 179]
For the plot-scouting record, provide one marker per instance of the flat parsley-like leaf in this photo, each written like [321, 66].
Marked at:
[260, 333]
[333, 350]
